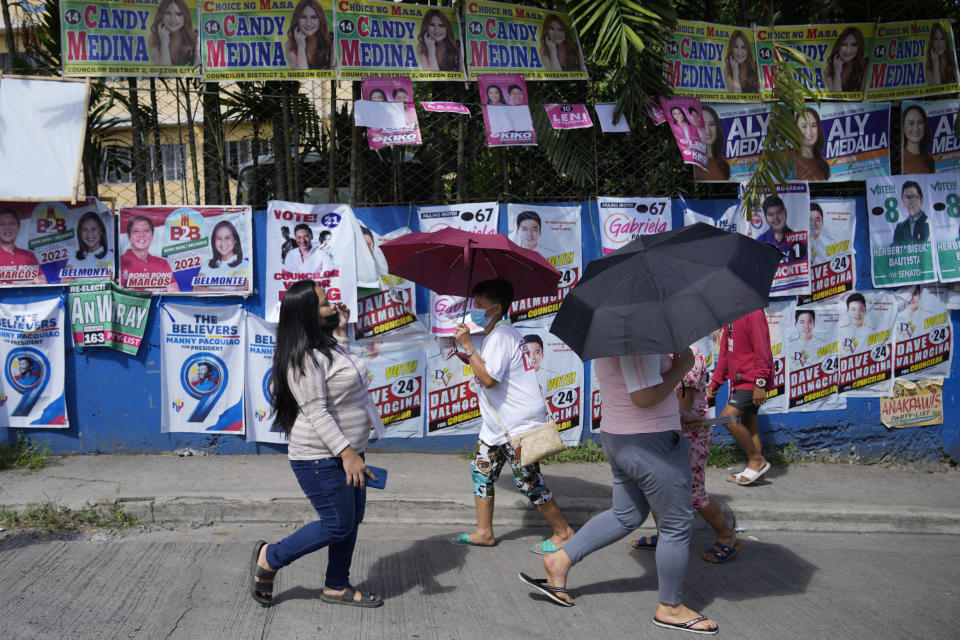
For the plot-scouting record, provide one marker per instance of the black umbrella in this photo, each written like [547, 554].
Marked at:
[663, 292]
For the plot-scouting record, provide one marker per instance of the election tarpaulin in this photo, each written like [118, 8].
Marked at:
[104, 315]
[55, 242]
[923, 334]
[452, 405]
[812, 358]
[911, 59]
[866, 343]
[913, 404]
[320, 242]
[568, 116]
[560, 373]
[729, 220]
[192, 249]
[712, 62]
[652, 107]
[446, 311]
[445, 107]
[202, 368]
[381, 38]
[944, 208]
[783, 220]
[268, 40]
[392, 90]
[839, 54]
[261, 340]
[119, 38]
[506, 38]
[623, 220]
[31, 345]
[929, 143]
[901, 247]
[596, 402]
[832, 228]
[393, 309]
[396, 385]
[686, 123]
[506, 110]
[734, 136]
[779, 315]
[843, 142]
[554, 233]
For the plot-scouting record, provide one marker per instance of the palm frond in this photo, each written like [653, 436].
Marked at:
[570, 152]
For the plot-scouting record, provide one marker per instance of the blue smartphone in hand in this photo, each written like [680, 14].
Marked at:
[381, 480]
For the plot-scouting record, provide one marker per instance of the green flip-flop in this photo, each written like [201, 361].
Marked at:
[545, 547]
[464, 538]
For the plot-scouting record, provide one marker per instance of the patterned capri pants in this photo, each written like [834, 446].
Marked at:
[488, 461]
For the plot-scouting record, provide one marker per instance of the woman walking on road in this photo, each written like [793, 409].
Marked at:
[510, 399]
[320, 401]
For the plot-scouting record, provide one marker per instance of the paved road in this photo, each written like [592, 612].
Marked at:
[191, 583]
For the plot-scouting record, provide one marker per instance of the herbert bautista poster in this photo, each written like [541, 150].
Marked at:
[201, 367]
[31, 345]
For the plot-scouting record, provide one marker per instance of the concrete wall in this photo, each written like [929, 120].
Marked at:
[113, 400]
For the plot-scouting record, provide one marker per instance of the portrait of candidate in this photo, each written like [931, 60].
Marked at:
[857, 331]
[915, 229]
[739, 67]
[10, 254]
[558, 50]
[916, 142]
[809, 162]
[941, 65]
[775, 213]
[204, 382]
[535, 349]
[138, 259]
[437, 46]
[717, 166]
[173, 40]
[306, 258]
[846, 66]
[29, 373]
[818, 249]
[309, 40]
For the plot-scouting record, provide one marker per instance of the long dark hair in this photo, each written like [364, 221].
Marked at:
[81, 248]
[820, 144]
[449, 59]
[319, 45]
[857, 66]
[948, 72]
[924, 143]
[299, 332]
[719, 143]
[237, 249]
[183, 42]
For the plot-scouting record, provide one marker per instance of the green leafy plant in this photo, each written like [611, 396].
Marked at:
[587, 451]
[50, 517]
[24, 454]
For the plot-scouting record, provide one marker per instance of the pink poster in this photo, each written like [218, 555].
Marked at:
[686, 122]
[568, 116]
[654, 111]
[392, 90]
[506, 110]
[445, 107]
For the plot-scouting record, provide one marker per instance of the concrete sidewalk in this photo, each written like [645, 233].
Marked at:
[437, 489]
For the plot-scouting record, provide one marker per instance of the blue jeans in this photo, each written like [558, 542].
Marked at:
[340, 509]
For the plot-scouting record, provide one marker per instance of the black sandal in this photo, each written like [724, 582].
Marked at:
[368, 600]
[261, 590]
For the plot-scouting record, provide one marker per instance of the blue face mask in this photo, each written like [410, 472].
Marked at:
[479, 317]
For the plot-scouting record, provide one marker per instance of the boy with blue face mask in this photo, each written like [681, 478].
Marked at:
[510, 398]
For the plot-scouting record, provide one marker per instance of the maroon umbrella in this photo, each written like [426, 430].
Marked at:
[451, 261]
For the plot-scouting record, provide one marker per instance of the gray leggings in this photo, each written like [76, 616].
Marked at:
[649, 470]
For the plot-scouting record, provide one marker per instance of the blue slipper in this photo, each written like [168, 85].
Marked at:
[646, 543]
[545, 547]
[464, 538]
[720, 553]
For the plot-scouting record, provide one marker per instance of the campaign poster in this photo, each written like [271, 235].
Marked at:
[685, 118]
[783, 221]
[396, 384]
[392, 90]
[623, 220]
[31, 345]
[261, 340]
[866, 343]
[321, 242]
[730, 220]
[452, 405]
[944, 208]
[393, 309]
[929, 142]
[596, 402]
[104, 315]
[268, 40]
[506, 110]
[445, 107]
[901, 247]
[202, 368]
[652, 107]
[507, 38]
[924, 334]
[55, 243]
[832, 258]
[568, 116]
[812, 357]
[191, 250]
[447, 311]
[912, 59]
[554, 233]
[118, 38]
[560, 373]
[839, 54]
[913, 404]
[843, 142]
[712, 62]
[387, 39]
[779, 315]
[734, 135]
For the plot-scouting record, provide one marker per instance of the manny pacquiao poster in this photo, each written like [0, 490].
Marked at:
[783, 220]
[261, 339]
[554, 233]
[31, 345]
[452, 404]
[560, 373]
[396, 385]
[201, 368]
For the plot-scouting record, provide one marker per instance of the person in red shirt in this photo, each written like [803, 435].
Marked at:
[13, 256]
[137, 259]
[745, 359]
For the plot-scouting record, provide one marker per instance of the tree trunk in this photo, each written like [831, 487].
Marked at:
[355, 178]
[332, 146]
[192, 142]
[461, 161]
[213, 143]
[294, 99]
[136, 136]
[11, 39]
[157, 150]
[274, 90]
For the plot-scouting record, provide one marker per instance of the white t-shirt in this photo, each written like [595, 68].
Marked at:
[316, 262]
[91, 261]
[516, 396]
[242, 270]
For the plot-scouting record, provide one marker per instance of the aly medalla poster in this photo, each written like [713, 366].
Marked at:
[202, 368]
[31, 346]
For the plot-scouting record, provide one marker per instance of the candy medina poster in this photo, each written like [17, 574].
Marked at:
[712, 62]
